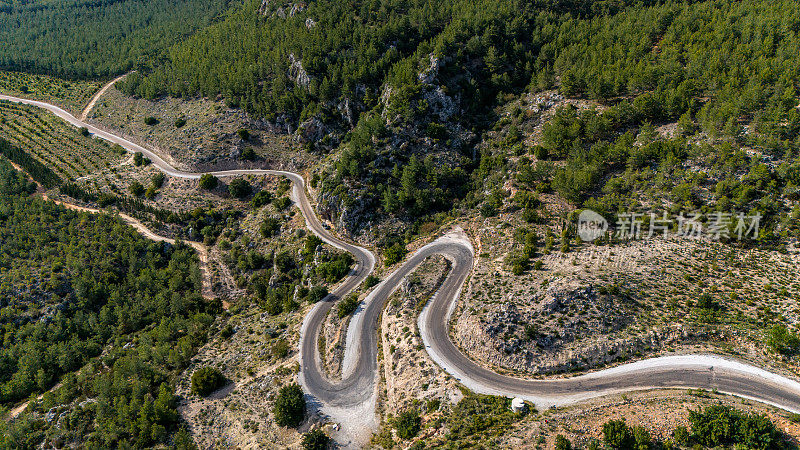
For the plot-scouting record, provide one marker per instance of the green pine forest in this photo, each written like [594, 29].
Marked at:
[92, 39]
[94, 314]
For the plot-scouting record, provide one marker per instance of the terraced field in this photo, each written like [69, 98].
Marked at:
[70, 95]
[56, 144]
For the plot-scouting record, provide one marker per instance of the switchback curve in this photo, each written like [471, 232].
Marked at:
[360, 367]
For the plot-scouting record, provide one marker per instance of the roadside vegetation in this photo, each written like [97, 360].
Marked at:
[56, 144]
[72, 95]
[715, 426]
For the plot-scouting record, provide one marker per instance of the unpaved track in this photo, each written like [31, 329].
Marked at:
[93, 101]
[352, 400]
[202, 251]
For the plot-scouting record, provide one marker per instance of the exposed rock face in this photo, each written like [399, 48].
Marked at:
[297, 72]
[282, 11]
[440, 103]
[312, 130]
[386, 95]
[264, 7]
[346, 109]
[428, 75]
[351, 214]
[296, 8]
[513, 339]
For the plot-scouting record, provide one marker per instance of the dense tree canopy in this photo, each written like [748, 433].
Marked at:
[93, 39]
[87, 302]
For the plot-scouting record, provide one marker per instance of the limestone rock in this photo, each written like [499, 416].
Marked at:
[297, 72]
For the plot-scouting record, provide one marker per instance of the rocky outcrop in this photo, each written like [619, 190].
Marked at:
[509, 338]
[264, 8]
[297, 72]
[312, 130]
[351, 214]
[346, 110]
[281, 11]
[440, 104]
[296, 8]
[430, 73]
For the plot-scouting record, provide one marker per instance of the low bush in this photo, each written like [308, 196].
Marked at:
[408, 424]
[208, 181]
[290, 406]
[347, 306]
[206, 380]
[239, 188]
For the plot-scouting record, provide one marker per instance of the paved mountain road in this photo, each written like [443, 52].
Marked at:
[358, 385]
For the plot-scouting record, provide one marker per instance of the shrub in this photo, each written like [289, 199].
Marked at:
[284, 262]
[84, 131]
[530, 215]
[316, 440]
[518, 263]
[239, 188]
[310, 246]
[151, 121]
[282, 203]
[290, 407]
[180, 122]
[208, 181]
[347, 305]
[681, 436]
[719, 425]
[262, 198]
[136, 189]
[335, 270]
[707, 302]
[531, 332]
[617, 435]
[206, 380]
[371, 281]
[562, 443]
[642, 437]
[158, 179]
[244, 134]
[227, 331]
[138, 159]
[488, 210]
[280, 349]
[248, 154]
[783, 341]
[270, 227]
[408, 424]
[317, 293]
[395, 253]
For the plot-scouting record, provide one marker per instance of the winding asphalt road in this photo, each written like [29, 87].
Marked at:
[359, 376]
